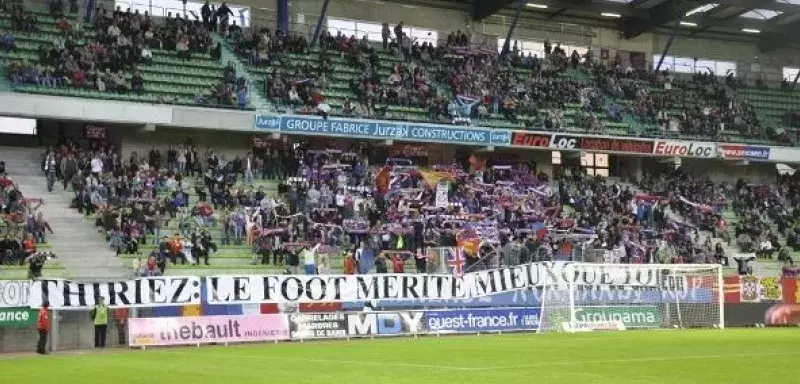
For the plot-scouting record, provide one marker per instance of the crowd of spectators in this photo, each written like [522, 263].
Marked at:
[766, 224]
[20, 19]
[131, 200]
[23, 227]
[123, 41]
[766, 216]
[454, 81]
[345, 205]
[457, 82]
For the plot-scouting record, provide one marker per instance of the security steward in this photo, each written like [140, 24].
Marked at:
[43, 327]
[100, 319]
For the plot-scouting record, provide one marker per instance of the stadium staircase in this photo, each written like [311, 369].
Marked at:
[80, 251]
[254, 85]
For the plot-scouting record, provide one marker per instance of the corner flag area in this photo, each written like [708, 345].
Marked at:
[707, 357]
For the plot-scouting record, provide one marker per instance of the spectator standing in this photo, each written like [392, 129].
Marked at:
[100, 319]
[205, 13]
[50, 170]
[121, 321]
[398, 33]
[309, 259]
[223, 13]
[386, 34]
[97, 165]
[43, 327]
[248, 169]
[7, 42]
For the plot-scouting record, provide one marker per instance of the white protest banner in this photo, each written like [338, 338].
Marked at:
[145, 292]
[232, 289]
[14, 293]
[441, 195]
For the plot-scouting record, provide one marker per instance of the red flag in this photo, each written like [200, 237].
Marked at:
[469, 242]
[732, 289]
[382, 180]
[791, 289]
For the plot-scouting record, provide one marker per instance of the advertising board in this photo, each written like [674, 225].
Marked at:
[318, 325]
[685, 149]
[643, 316]
[385, 323]
[482, 320]
[17, 317]
[160, 331]
[376, 129]
[564, 142]
[745, 152]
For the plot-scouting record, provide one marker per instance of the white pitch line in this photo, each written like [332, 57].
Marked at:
[492, 368]
[338, 361]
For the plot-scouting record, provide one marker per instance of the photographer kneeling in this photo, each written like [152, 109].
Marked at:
[36, 263]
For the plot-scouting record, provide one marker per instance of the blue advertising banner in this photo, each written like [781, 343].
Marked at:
[482, 320]
[376, 129]
[532, 298]
[748, 152]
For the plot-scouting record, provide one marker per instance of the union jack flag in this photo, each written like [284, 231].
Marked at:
[455, 261]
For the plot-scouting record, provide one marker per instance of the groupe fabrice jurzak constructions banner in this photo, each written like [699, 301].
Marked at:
[233, 289]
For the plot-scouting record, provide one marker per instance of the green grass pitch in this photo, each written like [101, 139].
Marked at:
[712, 356]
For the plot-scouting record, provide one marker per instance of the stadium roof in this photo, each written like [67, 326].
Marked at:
[771, 23]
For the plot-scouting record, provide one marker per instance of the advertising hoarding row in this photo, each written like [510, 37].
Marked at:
[477, 136]
[165, 331]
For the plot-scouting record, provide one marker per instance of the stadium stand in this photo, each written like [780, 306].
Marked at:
[120, 56]
[168, 212]
[24, 230]
[416, 82]
[565, 93]
[127, 56]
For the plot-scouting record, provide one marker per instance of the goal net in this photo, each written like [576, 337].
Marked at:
[652, 296]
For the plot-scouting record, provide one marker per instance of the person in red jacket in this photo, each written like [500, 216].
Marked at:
[43, 326]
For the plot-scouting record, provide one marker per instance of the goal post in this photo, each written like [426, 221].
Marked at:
[653, 297]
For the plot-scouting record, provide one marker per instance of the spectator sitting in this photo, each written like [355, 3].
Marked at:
[7, 41]
[204, 215]
[137, 83]
[147, 55]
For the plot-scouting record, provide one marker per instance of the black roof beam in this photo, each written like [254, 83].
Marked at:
[780, 37]
[657, 16]
[482, 9]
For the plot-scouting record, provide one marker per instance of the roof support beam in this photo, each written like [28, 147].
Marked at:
[781, 37]
[507, 44]
[657, 16]
[482, 9]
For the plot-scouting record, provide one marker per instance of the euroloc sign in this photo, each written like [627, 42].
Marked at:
[685, 149]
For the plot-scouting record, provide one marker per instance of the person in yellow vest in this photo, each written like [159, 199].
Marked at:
[100, 319]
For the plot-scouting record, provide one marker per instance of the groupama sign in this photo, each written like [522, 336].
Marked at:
[641, 316]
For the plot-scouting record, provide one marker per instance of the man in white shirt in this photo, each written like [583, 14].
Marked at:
[113, 30]
[309, 259]
[97, 165]
[248, 169]
[147, 54]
